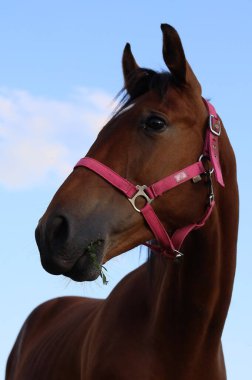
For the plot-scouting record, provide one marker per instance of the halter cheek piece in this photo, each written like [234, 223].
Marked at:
[169, 245]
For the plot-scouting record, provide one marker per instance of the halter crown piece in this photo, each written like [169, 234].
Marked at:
[169, 245]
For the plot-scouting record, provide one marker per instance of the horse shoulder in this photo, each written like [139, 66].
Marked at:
[45, 330]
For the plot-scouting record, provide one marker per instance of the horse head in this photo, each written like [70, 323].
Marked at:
[158, 129]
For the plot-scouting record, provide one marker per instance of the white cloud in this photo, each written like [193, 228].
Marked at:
[41, 138]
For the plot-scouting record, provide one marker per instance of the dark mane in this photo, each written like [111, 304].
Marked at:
[138, 85]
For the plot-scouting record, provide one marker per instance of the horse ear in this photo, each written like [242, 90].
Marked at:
[175, 59]
[130, 67]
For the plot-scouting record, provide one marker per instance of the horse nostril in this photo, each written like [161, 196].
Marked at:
[58, 231]
[52, 237]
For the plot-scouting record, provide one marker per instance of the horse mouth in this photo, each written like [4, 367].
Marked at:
[88, 266]
[85, 266]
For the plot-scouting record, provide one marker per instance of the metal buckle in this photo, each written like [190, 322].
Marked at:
[140, 193]
[215, 132]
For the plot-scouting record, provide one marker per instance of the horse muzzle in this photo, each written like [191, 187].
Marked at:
[65, 251]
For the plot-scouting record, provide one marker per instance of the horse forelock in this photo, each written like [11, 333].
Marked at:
[141, 82]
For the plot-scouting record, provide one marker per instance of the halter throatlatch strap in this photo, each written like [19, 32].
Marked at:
[168, 245]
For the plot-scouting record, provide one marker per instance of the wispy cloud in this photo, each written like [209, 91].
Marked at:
[40, 139]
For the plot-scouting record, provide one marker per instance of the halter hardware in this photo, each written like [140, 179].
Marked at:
[215, 125]
[169, 246]
[209, 174]
[140, 193]
[178, 254]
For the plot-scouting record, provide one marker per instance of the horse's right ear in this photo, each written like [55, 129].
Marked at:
[129, 65]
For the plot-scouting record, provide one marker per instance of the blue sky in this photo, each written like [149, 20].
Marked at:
[60, 67]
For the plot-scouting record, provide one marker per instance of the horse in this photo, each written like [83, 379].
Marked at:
[164, 320]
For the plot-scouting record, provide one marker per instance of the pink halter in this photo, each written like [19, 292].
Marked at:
[169, 246]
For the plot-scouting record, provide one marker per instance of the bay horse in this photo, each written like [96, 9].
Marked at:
[165, 319]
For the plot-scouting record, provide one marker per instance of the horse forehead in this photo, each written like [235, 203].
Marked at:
[171, 103]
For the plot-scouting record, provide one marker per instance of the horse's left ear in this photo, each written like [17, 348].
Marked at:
[175, 59]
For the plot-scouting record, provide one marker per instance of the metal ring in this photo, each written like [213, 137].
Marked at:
[209, 171]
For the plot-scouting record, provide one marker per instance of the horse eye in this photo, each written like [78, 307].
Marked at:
[155, 124]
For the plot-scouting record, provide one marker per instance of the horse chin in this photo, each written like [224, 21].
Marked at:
[85, 267]
[88, 266]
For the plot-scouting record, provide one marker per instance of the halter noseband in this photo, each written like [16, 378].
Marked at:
[169, 245]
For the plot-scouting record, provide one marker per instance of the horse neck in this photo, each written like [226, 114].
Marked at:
[193, 295]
